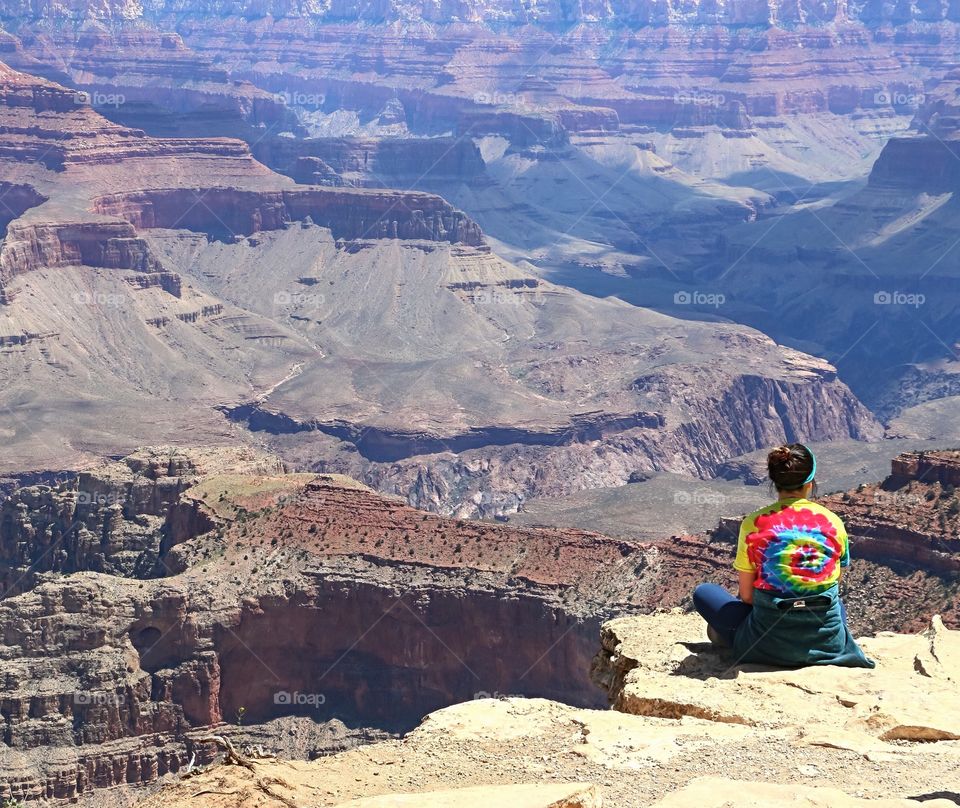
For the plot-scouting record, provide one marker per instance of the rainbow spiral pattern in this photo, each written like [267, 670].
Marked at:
[795, 551]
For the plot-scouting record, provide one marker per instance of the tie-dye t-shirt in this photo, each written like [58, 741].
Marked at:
[795, 546]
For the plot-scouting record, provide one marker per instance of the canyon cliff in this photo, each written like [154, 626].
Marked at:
[122, 672]
[156, 599]
[340, 321]
[684, 731]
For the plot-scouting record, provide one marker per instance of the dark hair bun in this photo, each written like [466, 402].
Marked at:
[779, 455]
[789, 466]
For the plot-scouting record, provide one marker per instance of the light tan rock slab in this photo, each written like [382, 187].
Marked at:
[716, 792]
[525, 795]
[661, 666]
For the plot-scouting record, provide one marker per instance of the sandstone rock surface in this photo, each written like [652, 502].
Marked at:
[658, 665]
[717, 792]
[536, 795]
[675, 761]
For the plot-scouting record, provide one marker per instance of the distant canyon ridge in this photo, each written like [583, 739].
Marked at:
[384, 241]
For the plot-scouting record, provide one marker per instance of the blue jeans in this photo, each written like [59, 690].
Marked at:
[723, 612]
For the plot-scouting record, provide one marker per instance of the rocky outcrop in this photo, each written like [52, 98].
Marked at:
[372, 162]
[97, 244]
[923, 163]
[836, 728]
[120, 519]
[57, 127]
[924, 467]
[384, 605]
[349, 214]
[656, 666]
[17, 199]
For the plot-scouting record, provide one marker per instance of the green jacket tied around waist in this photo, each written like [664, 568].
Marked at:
[794, 632]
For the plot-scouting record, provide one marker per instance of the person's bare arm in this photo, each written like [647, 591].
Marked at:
[746, 586]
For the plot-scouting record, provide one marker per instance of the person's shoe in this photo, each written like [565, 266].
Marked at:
[716, 638]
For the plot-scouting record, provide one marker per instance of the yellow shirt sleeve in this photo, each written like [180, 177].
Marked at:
[742, 562]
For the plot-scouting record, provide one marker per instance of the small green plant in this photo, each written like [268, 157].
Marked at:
[10, 802]
[241, 712]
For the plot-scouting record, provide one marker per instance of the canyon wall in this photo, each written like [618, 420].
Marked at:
[348, 213]
[393, 613]
[634, 13]
[120, 520]
[918, 164]
[372, 161]
[96, 244]
[457, 473]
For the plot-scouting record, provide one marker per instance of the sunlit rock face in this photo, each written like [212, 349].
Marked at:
[632, 13]
[179, 589]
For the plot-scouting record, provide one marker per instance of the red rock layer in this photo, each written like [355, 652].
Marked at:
[392, 612]
[912, 517]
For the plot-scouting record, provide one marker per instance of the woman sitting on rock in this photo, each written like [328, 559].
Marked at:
[790, 557]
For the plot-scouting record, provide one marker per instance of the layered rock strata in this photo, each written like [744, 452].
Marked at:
[685, 731]
[384, 604]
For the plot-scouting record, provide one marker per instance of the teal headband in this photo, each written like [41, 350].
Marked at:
[813, 471]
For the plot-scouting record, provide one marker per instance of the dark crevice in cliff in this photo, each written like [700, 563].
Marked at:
[387, 446]
[15, 200]
[782, 407]
[369, 657]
